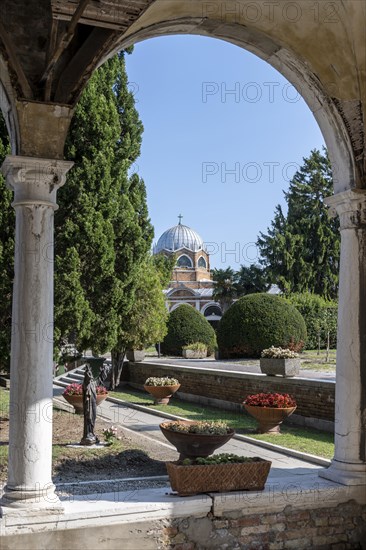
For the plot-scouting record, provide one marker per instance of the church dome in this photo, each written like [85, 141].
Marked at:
[177, 237]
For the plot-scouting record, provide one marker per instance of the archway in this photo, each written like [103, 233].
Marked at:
[40, 86]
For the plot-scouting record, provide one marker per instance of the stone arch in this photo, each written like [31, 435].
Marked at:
[346, 174]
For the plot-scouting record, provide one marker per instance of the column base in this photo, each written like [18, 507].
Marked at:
[34, 498]
[345, 473]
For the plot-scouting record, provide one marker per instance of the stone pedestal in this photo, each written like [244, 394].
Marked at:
[349, 463]
[34, 182]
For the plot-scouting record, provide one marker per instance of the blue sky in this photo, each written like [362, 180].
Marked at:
[224, 133]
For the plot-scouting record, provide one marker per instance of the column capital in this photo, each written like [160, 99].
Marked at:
[350, 206]
[35, 180]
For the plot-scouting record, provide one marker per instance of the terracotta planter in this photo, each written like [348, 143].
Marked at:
[268, 418]
[245, 476]
[282, 367]
[162, 394]
[191, 445]
[77, 401]
[194, 354]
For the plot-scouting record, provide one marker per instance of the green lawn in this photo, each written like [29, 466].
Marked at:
[308, 440]
[4, 402]
[311, 360]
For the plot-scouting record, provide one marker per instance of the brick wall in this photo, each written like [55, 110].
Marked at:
[315, 398]
[339, 528]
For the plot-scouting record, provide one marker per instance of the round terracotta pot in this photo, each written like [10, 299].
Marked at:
[193, 445]
[268, 418]
[77, 401]
[162, 394]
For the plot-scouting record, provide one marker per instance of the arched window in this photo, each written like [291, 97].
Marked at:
[202, 262]
[184, 261]
[213, 310]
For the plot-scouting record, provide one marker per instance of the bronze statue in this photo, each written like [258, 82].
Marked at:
[90, 408]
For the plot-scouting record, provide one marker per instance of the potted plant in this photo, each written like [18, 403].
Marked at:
[279, 361]
[196, 350]
[162, 388]
[270, 410]
[135, 355]
[74, 395]
[222, 472]
[196, 439]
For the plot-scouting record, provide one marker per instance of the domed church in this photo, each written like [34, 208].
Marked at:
[192, 282]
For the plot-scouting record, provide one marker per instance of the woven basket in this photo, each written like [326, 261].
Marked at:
[244, 476]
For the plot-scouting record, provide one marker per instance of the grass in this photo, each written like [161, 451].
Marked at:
[311, 360]
[307, 440]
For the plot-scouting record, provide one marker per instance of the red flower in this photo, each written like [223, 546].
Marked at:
[77, 389]
[271, 400]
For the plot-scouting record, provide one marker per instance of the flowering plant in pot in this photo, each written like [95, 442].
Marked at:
[270, 410]
[74, 395]
[280, 361]
[197, 350]
[222, 472]
[196, 439]
[161, 388]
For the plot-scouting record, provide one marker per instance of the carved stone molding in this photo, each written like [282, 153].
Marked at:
[350, 207]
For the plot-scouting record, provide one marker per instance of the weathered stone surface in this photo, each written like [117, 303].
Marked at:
[281, 367]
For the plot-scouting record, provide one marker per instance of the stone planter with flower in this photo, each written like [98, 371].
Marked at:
[161, 388]
[279, 361]
[270, 410]
[74, 395]
[197, 350]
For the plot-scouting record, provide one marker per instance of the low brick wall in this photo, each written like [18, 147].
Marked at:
[335, 528]
[315, 398]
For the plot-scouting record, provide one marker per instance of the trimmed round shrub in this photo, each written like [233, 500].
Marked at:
[258, 321]
[185, 326]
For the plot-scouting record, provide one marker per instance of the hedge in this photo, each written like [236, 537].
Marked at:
[185, 326]
[258, 321]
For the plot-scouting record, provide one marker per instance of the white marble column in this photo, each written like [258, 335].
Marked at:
[34, 182]
[349, 463]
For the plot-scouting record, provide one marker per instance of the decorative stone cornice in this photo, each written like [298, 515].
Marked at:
[35, 180]
[351, 208]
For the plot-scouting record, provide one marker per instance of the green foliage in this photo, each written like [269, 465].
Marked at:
[258, 321]
[320, 317]
[185, 326]
[145, 323]
[230, 284]
[103, 232]
[196, 346]
[7, 224]
[164, 265]
[251, 280]
[301, 251]
[226, 287]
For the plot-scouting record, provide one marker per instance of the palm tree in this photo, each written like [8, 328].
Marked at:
[226, 287]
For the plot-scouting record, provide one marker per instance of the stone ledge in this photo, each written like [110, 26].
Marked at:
[140, 508]
[82, 511]
[236, 374]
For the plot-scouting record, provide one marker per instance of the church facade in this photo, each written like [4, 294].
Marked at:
[192, 280]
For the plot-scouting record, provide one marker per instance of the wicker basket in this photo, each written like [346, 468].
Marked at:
[243, 476]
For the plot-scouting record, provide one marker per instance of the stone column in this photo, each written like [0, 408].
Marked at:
[349, 463]
[35, 182]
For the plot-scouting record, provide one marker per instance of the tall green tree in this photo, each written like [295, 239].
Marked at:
[301, 250]
[7, 224]
[226, 287]
[251, 280]
[103, 229]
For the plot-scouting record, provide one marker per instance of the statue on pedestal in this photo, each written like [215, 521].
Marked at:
[90, 408]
